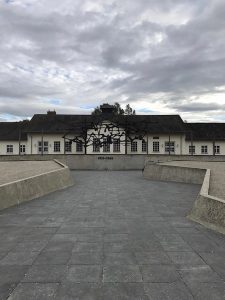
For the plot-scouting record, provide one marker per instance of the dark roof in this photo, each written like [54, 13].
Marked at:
[205, 131]
[76, 123]
[13, 131]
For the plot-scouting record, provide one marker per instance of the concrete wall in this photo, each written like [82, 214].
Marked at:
[173, 173]
[116, 161]
[90, 162]
[106, 162]
[209, 210]
[33, 187]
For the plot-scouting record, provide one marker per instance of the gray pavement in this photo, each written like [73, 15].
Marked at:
[113, 235]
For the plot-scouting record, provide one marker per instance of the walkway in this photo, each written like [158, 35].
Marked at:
[114, 235]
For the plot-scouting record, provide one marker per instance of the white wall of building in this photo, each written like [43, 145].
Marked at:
[198, 147]
[181, 145]
[34, 139]
[15, 147]
[162, 139]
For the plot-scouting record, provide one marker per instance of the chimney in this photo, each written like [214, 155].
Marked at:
[106, 108]
[51, 113]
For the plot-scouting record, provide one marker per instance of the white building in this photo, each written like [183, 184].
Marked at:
[53, 133]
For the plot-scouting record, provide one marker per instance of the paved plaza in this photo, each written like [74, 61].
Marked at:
[113, 235]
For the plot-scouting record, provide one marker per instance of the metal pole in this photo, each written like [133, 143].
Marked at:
[147, 143]
[169, 144]
[192, 143]
[42, 142]
[126, 135]
[31, 146]
[19, 140]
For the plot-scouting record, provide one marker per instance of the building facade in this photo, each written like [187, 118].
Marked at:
[107, 133]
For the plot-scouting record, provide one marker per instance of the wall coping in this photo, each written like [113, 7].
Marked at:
[35, 176]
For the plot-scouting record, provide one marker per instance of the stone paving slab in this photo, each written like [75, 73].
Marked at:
[114, 235]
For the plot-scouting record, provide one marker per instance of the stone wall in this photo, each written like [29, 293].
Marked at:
[110, 162]
[173, 173]
[19, 191]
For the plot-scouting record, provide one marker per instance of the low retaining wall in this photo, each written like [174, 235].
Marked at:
[110, 161]
[173, 173]
[207, 210]
[19, 191]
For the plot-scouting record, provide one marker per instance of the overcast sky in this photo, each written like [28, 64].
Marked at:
[162, 57]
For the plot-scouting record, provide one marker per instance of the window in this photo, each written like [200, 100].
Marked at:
[144, 146]
[96, 146]
[133, 147]
[204, 149]
[155, 137]
[9, 148]
[170, 147]
[155, 146]
[116, 145]
[217, 149]
[191, 149]
[106, 145]
[68, 146]
[45, 147]
[22, 148]
[56, 146]
[79, 147]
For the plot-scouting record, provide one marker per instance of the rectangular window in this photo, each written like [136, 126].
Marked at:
[106, 145]
[56, 146]
[79, 146]
[155, 137]
[191, 149]
[144, 146]
[155, 146]
[133, 147]
[45, 147]
[68, 146]
[96, 145]
[217, 149]
[116, 145]
[204, 149]
[22, 148]
[9, 148]
[170, 147]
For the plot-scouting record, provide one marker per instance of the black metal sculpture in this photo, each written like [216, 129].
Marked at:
[99, 132]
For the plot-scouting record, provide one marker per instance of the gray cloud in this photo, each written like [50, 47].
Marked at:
[199, 107]
[84, 52]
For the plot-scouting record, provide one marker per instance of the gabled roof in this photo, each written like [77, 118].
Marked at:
[205, 131]
[76, 123]
[13, 131]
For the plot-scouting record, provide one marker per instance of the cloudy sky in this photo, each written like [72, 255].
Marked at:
[162, 57]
